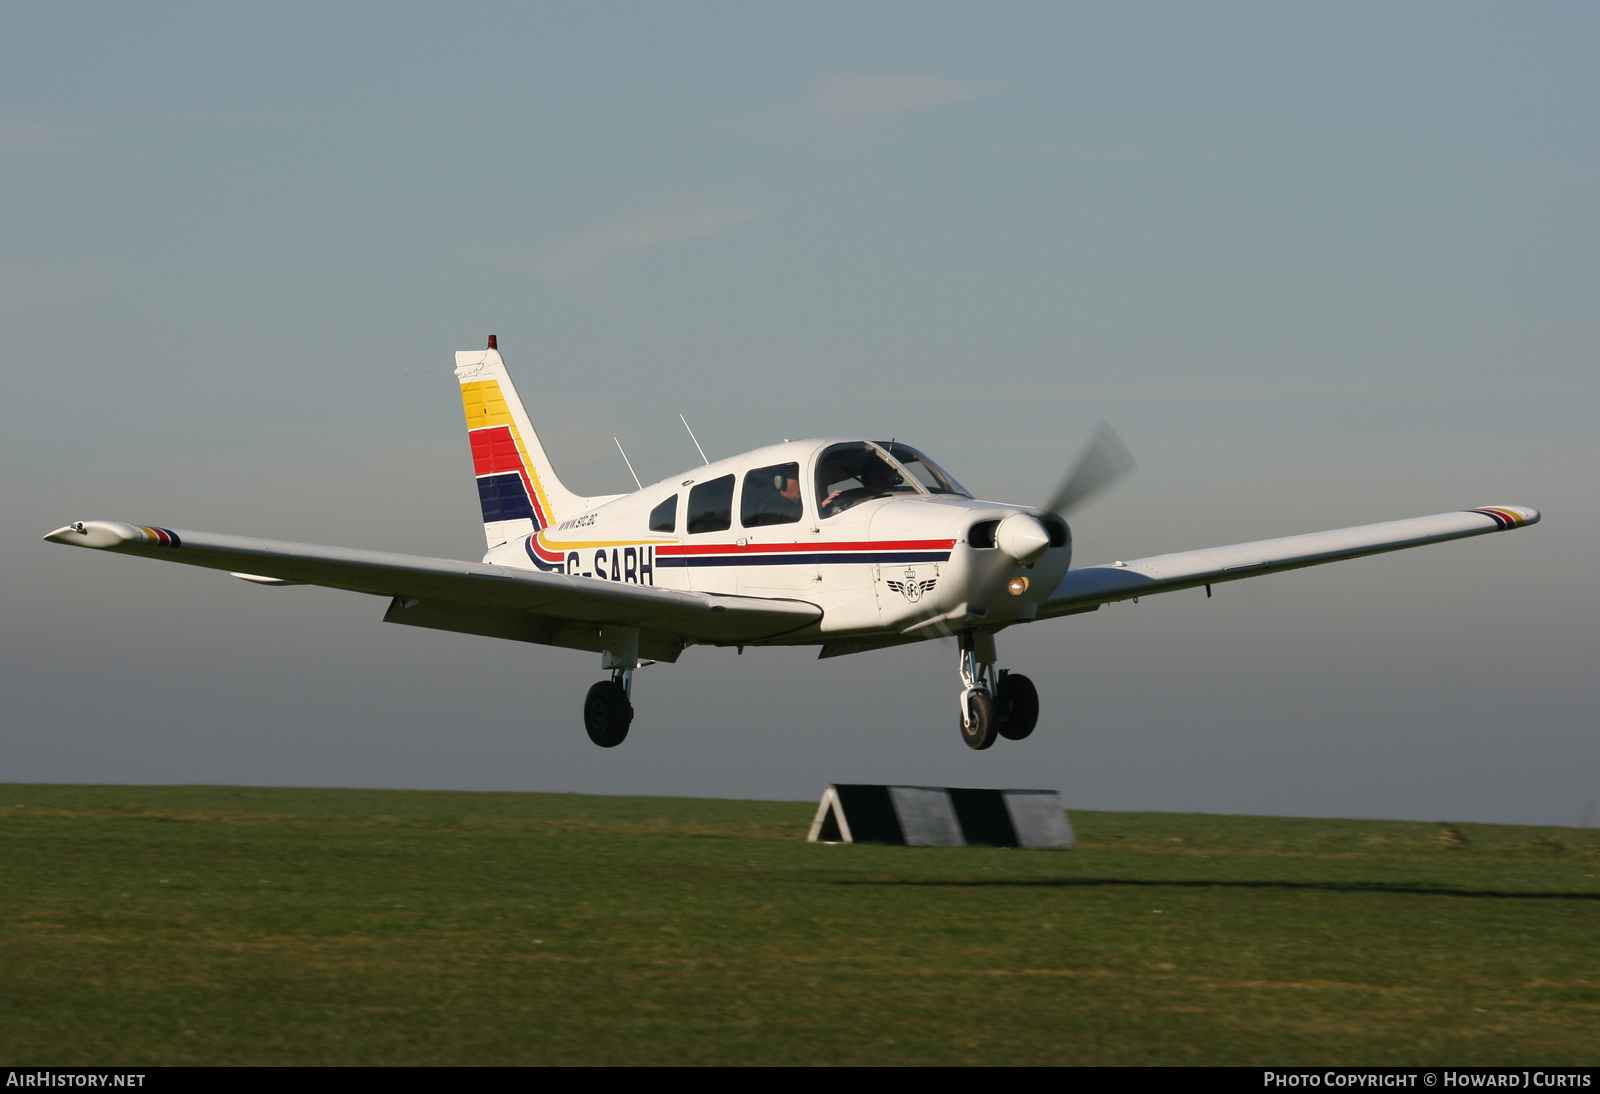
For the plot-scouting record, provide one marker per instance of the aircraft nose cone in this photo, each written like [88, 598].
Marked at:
[1022, 537]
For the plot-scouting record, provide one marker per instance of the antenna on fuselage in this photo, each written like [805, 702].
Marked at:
[629, 462]
[702, 451]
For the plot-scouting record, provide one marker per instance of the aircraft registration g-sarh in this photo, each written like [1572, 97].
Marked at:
[843, 543]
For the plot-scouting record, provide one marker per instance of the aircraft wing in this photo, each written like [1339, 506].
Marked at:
[471, 597]
[1086, 589]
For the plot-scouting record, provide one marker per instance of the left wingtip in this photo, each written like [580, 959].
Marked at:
[1510, 516]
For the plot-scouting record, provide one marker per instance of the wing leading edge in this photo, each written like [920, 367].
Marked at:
[471, 597]
[1086, 589]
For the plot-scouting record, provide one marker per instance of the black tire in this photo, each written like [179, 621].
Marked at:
[978, 727]
[607, 714]
[1016, 705]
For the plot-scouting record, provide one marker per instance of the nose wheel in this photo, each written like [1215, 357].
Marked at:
[608, 710]
[978, 728]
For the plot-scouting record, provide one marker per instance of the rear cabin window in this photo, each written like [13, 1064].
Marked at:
[771, 496]
[664, 517]
[711, 506]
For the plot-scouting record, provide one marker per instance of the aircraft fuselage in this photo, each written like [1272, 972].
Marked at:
[902, 565]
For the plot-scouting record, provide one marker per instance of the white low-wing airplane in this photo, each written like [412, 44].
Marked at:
[842, 543]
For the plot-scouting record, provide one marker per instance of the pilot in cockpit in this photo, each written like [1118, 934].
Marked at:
[877, 479]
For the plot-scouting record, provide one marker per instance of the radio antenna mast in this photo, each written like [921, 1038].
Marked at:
[629, 462]
[692, 437]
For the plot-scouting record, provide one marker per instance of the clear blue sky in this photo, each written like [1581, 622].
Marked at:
[1319, 265]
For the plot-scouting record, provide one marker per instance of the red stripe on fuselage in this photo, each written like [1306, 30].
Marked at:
[546, 554]
[811, 547]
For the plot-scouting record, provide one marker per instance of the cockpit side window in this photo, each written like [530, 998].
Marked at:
[851, 473]
[934, 479]
[771, 496]
[711, 506]
[664, 517]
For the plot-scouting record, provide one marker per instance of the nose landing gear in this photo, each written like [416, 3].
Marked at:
[978, 726]
[1008, 708]
[977, 702]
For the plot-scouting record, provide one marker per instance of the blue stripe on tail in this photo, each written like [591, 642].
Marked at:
[504, 497]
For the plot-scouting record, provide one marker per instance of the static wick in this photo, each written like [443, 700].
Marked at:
[629, 462]
[693, 438]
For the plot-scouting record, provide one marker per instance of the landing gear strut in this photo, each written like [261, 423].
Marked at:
[608, 709]
[977, 701]
[1004, 704]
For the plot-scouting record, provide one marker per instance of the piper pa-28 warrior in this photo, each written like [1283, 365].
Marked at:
[843, 543]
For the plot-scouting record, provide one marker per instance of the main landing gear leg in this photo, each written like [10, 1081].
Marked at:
[1016, 705]
[608, 709]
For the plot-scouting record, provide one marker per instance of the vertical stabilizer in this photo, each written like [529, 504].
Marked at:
[516, 486]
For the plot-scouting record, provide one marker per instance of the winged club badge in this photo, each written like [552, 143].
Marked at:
[911, 588]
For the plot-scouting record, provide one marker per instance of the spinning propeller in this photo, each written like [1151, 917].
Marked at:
[1023, 537]
[1103, 461]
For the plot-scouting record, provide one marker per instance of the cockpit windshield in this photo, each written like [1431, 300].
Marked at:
[933, 478]
[849, 474]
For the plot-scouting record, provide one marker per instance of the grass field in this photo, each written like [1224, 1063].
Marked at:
[203, 925]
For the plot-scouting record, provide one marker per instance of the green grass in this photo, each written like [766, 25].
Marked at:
[200, 925]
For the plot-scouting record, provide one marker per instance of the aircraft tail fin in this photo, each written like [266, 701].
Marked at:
[517, 488]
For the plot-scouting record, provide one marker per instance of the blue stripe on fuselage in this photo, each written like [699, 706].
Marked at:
[547, 567]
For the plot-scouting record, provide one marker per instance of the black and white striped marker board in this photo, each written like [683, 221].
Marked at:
[940, 816]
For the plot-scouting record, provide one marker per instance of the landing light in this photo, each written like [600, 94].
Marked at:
[1017, 586]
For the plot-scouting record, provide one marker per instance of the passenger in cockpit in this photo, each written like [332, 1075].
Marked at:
[790, 491]
[771, 496]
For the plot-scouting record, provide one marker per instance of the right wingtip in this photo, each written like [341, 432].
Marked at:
[102, 534]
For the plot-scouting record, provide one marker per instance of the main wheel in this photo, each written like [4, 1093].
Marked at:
[977, 728]
[607, 714]
[1016, 704]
